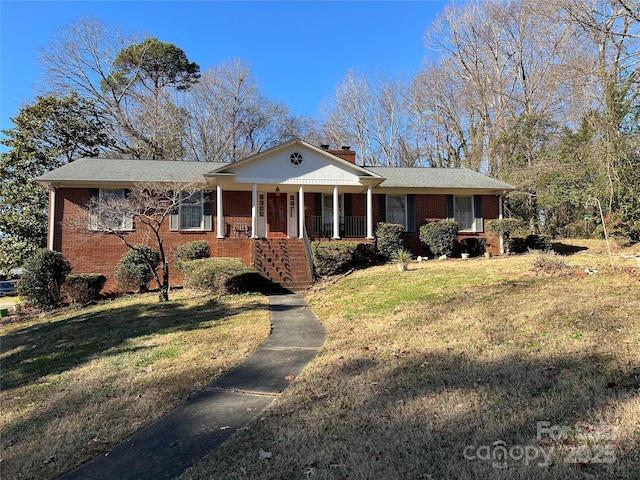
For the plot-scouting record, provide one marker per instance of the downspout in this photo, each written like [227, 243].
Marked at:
[52, 215]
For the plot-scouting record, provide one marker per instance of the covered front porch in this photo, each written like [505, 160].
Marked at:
[325, 213]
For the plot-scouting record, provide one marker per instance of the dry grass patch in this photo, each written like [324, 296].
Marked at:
[425, 372]
[75, 384]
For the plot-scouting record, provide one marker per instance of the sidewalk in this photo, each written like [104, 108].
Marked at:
[168, 447]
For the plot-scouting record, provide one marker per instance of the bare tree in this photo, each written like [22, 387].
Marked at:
[370, 112]
[147, 206]
[230, 119]
[508, 59]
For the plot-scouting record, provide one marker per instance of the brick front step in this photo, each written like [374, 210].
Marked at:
[283, 262]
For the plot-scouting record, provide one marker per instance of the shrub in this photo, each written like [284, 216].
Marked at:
[388, 238]
[332, 258]
[439, 237]
[548, 262]
[505, 228]
[219, 275]
[42, 278]
[191, 251]
[402, 257]
[135, 269]
[84, 287]
[625, 233]
[366, 255]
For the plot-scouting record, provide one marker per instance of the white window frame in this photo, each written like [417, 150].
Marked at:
[126, 222]
[473, 213]
[404, 207]
[186, 200]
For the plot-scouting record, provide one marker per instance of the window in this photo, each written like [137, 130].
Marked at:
[261, 205]
[397, 210]
[292, 206]
[191, 211]
[463, 213]
[111, 212]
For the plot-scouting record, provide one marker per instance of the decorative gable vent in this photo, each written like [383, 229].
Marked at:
[295, 159]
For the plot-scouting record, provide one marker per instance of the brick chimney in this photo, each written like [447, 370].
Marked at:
[344, 153]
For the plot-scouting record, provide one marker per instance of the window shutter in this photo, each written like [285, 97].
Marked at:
[207, 209]
[317, 204]
[411, 212]
[174, 218]
[450, 211]
[94, 195]
[477, 209]
[382, 208]
[127, 223]
[348, 204]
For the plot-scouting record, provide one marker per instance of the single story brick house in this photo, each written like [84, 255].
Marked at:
[262, 209]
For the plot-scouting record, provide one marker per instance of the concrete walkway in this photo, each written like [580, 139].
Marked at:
[168, 447]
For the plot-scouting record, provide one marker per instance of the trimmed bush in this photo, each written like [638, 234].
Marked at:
[219, 275]
[42, 278]
[332, 258]
[191, 251]
[135, 269]
[505, 228]
[365, 256]
[439, 237]
[388, 238]
[84, 287]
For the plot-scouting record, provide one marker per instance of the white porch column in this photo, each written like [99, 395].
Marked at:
[220, 223]
[336, 214]
[370, 212]
[254, 211]
[52, 215]
[500, 217]
[301, 212]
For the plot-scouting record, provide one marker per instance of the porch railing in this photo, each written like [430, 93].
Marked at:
[350, 227]
[316, 226]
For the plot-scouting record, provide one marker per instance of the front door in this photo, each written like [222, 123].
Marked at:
[276, 215]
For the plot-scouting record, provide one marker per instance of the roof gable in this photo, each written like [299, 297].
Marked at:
[295, 162]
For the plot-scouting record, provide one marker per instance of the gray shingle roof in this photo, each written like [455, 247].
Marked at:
[437, 178]
[96, 170]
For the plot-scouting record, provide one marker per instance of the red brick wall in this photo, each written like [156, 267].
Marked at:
[97, 252]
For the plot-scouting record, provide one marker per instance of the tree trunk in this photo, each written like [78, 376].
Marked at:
[164, 288]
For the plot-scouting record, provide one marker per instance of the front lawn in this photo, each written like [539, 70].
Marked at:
[478, 369]
[76, 383]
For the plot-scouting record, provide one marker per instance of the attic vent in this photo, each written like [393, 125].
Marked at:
[295, 159]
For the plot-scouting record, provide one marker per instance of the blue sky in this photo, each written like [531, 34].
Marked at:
[299, 50]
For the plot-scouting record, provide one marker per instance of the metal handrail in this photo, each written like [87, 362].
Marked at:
[307, 247]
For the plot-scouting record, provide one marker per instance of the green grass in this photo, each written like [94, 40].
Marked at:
[78, 382]
[420, 365]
